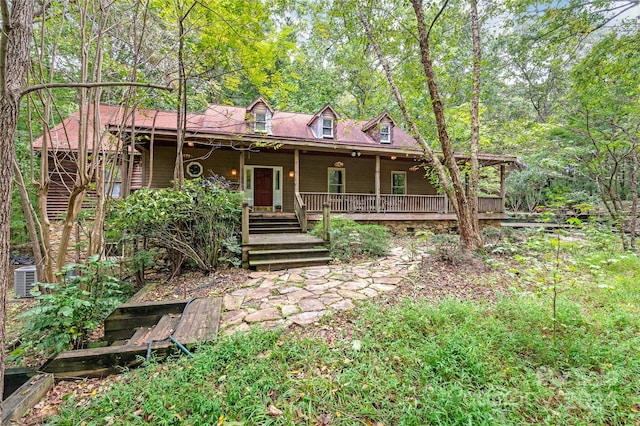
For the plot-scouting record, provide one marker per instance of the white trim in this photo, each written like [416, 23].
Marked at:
[388, 133]
[344, 179]
[323, 127]
[196, 173]
[277, 183]
[399, 172]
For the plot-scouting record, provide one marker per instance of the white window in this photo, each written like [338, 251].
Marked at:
[112, 181]
[260, 124]
[385, 133]
[327, 128]
[336, 180]
[399, 183]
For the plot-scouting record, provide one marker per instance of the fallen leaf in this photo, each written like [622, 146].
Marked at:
[274, 411]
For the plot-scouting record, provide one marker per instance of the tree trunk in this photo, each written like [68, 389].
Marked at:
[469, 233]
[475, 119]
[17, 22]
[30, 218]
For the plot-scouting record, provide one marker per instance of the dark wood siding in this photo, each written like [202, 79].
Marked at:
[63, 172]
[360, 174]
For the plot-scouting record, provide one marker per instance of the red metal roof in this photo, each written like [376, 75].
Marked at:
[230, 122]
[222, 120]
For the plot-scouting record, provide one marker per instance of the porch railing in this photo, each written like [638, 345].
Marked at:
[366, 203]
[301, 211]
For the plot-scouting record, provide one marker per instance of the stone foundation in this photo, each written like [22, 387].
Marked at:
[79, 237]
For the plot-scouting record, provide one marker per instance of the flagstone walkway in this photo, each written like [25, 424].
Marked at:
[304, 295]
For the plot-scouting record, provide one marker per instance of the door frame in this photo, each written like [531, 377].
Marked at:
[249, 184]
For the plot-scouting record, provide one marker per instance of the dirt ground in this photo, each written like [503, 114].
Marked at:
[435, 281]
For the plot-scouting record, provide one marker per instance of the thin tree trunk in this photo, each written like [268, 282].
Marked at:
[475, 118]
[30, 218]
[15, 38]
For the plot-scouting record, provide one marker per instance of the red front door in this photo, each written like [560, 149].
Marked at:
[263, 187]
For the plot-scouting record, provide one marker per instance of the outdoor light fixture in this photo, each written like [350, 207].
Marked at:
[356, 153]
[191, 144]
[234, 172]
[393, 157]
[291, 173]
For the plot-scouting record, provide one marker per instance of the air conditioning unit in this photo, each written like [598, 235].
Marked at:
[24, 279]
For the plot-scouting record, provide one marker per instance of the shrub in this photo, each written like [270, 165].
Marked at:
[500, 241]
[447, 248]
[349, 238]
[66, 312]
[200, 223]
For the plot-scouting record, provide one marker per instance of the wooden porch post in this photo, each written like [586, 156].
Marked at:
[377, 184]
[245, 223]
[296, 171]
[502, 188]
[241, 171]
[325, 221]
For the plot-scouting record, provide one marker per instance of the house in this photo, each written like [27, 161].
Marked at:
[370, 171]
[366, 170]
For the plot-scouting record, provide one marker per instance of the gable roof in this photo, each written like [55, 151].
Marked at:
[257, 101]
[327, 106]
[223, 122]
[374, 122]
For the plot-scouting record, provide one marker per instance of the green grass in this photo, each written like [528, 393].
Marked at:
[415, 364]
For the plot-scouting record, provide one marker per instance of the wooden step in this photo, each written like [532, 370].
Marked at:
[297, 253]
[122, 323]
[200, 321]
[100, 362]
[270, 265]
[283, 230]
[164, 328]
[139, 337]
[288, 224]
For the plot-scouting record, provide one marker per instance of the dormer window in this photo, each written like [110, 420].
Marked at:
[259, 115]
[323, 124]
[385, 133]
[327, 128]
[260, 123]
[380, 129]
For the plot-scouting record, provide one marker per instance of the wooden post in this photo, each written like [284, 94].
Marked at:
[245, 223]
[502, 188]
[325, 221]
[377, 184]
[241, 171]
[446, 203]
[296, 171]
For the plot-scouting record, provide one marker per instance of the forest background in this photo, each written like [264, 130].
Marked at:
[559, 80]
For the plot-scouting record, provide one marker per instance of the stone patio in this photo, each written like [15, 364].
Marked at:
[304, 295]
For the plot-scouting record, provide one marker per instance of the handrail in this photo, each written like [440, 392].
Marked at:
[301, 211]
[390, 203]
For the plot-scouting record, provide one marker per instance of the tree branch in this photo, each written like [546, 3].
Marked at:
[90, 85]
[436, 18]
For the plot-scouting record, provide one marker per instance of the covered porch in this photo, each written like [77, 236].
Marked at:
[391, 203]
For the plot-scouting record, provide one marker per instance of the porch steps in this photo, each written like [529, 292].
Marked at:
[277, 242]
[269, 265]
[273, 224]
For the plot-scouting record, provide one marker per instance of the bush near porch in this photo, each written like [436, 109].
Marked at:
[350, 239]
[199, 223]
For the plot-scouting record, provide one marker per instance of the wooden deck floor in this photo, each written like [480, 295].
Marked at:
[141, 326]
